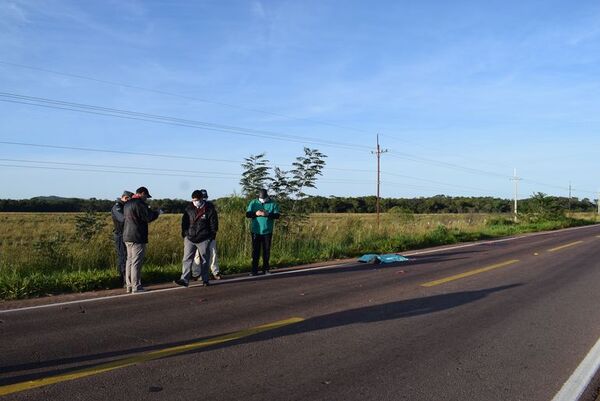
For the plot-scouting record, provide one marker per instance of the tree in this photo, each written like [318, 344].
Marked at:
[255, 175]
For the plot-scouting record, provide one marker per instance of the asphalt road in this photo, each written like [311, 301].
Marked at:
[507, 320]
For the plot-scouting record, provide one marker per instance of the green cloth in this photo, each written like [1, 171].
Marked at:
[262, 224]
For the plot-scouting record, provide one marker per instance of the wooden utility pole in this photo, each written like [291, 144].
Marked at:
[378, 153]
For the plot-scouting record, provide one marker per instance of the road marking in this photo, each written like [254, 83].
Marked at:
[149, 356]
[469, 273]
[581, 377]
[558, 248]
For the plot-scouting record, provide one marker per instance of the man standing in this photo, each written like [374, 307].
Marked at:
[119, 221]
[212, 254]
[135, 234]
[199, 226]
[263, 212]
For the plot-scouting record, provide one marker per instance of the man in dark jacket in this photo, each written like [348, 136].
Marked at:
[135, 234]
[119, 221]
[199, 226]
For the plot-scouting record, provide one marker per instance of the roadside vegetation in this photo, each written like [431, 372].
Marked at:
[51, 253]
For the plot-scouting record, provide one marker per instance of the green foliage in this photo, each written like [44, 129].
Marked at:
[89, 224]
[541, 207]
[255, 174]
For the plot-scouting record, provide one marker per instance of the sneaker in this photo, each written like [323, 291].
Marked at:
[181, 282]
[205, 284]
[217, 276]
[141, 289]
[129, 290]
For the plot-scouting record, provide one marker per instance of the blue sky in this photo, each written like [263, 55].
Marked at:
[460, 92]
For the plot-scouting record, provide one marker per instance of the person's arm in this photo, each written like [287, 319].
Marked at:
[250, 213]
[185, 224]
[214, 223]
[275, 213]
[117, 212]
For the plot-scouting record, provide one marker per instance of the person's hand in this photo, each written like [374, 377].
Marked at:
[260, 213]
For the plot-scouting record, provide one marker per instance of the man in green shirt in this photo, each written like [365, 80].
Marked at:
[263, 211]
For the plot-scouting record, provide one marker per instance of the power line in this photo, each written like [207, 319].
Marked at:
[168, 120]
[172, 94]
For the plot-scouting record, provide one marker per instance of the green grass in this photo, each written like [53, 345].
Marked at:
[41, 254]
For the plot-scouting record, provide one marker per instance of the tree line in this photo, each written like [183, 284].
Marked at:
[322, 204]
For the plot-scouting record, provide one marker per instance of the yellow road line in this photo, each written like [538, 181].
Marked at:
[469, 273]
[149, 356]
[558, 248]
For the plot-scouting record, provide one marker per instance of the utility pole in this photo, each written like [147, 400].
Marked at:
[516, 180]
[598, 202]
[378, 153]
[569, 197]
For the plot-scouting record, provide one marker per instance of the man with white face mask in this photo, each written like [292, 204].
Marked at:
[263, 212]
[199, 226]
[212, 254]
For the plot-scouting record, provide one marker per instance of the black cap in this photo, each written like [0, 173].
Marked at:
[204, 194]
[127, 193]
[197, 194]
[143, 190]
[263, 194]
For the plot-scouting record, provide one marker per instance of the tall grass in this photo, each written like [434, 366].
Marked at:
[41, 253]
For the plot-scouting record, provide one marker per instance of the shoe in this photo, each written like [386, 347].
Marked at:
[141, 289]
[217, 276]
[205, 284]
[181, 282]
[129, 290]
[254, 274]
[265, 272]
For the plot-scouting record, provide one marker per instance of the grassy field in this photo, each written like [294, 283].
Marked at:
[42, 253]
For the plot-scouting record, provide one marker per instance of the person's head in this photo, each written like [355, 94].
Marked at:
[126, 196]
[263, 195]
[198, 198]
[143, 193]
[204, 194]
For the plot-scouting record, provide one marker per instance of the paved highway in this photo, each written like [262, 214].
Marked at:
[500, 320]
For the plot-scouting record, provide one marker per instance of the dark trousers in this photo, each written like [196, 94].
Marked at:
[261, 242]
[121, 255]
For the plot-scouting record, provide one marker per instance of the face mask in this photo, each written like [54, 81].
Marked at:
[197, 203]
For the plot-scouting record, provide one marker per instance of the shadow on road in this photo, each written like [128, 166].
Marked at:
[369, 314]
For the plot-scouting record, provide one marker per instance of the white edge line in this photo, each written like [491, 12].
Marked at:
[581, 377]
[233, 280]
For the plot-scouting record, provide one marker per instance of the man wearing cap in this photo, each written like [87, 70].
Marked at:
[199, 226]
[263, 212]
[212, 254]
[119, 221]
[135, 234]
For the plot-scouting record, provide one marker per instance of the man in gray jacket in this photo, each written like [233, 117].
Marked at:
[119, 221]
[135, 234]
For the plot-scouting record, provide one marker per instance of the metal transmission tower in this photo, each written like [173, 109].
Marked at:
[516, 180]
[378, 153]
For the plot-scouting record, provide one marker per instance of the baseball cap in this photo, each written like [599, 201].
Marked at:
[143, 190]
[127, 193]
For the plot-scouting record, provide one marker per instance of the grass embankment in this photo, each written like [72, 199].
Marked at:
[40, 253]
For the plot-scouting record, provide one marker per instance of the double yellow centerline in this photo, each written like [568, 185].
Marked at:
[492, 267]
[149, 356]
